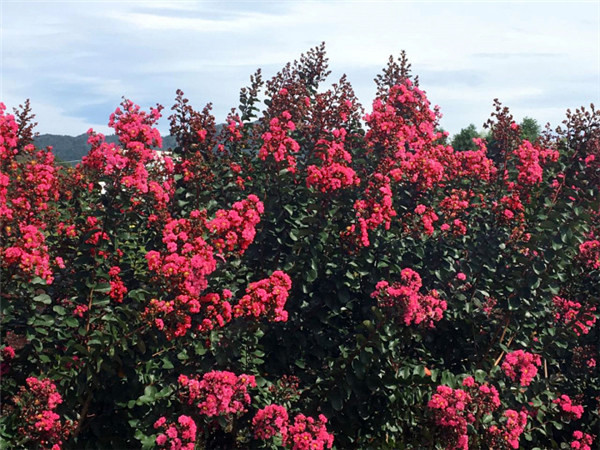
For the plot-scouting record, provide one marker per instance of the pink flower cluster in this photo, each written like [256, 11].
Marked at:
[566, 406]
[458, 202]
[235, 228]
[270, 421]
[266, 298]
[450, 411]
[530, 170]
[573, 314]
[307, 433]
[28, 177]
[303, 433]
[582, 441]
[514, 426]
[8, 133]
[41, 173]
[406, 303]
[28, 185]
[133, 125]
[403, 135]
[530, 158]
[510, 208]
[427, 217]
[376, 208]
[335, 172]
[277, 142]
[189, 258]
[474, 163]
[30, 254]
[457, 410]
[127, 165]
[176, 436]
[218, 393]
[233, 129]
[521, 365]
[39, 424]
[486, 398]
[400, 119]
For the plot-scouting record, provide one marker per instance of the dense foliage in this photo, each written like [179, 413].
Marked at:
[310, 276]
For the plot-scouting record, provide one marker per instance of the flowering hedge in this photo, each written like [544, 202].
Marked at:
[309, 277]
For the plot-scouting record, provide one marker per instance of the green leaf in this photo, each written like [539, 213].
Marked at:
[43, 298]
[311, 275]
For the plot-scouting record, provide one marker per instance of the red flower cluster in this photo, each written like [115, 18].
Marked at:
[582, 441]
[176, 314]
[266, 298]
[218, 393]
[584, 357]
[572, 313]
[117, 287]
[277, 142]
[335, 172]
[176, 436]
[7, 354]
[217, 310]
[233, 129]
[39, 424]
[566, 405]
[406, 303]
[589, 253]
[522, 365]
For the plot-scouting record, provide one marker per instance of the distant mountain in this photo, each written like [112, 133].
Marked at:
[72, 148]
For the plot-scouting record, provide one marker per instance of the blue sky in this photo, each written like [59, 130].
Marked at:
[76, 59]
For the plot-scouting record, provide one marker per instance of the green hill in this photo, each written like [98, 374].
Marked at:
[72, 148]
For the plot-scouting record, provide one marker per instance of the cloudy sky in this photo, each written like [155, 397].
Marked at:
[75, 60]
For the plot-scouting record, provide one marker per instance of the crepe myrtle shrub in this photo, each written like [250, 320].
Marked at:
[310, 274]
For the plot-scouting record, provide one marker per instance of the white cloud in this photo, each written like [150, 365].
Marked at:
[82, 56]
[54, 120]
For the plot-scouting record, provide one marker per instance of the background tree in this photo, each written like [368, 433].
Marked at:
[530, 129]
[463, 140]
